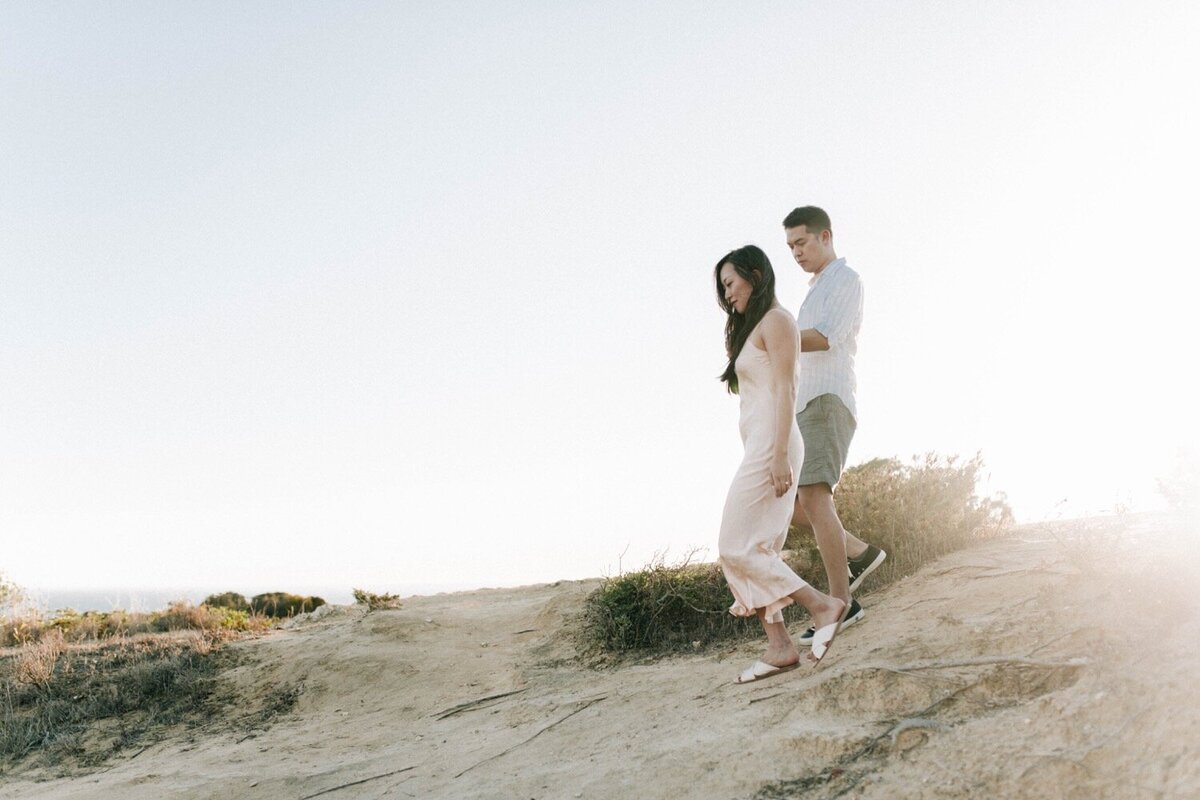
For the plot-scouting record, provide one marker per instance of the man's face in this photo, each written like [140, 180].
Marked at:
[812, 251]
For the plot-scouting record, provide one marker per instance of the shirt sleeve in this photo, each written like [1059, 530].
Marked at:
[840, 316]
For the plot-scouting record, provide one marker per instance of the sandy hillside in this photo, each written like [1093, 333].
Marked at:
[1060, 664]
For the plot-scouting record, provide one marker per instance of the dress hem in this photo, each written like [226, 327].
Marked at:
[773, 612]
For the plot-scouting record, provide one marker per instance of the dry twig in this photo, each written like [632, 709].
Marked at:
[356, 783]
[926, 600]
[471, 705]
[584, 704]
[767, 697]
[982, 661]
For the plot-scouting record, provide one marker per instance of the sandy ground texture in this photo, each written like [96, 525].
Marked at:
[1060, 663]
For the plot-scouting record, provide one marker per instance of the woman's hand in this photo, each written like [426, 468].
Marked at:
[781, 475]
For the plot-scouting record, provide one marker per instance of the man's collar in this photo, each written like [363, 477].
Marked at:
[832, 266]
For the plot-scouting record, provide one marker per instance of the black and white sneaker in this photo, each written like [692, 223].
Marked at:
[864, 565]
[856, 614]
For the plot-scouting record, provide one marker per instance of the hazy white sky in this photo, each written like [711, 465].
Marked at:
[391, 294]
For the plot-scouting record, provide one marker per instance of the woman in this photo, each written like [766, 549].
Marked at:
[762, 342]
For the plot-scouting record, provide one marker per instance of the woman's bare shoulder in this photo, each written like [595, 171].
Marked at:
[779, 318]
[778, 331]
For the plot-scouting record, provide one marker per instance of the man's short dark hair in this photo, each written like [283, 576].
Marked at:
[811, 217]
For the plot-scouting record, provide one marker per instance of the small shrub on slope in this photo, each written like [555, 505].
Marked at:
[916, 512]
[374, 601]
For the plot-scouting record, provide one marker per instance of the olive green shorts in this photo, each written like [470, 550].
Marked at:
[827, 427]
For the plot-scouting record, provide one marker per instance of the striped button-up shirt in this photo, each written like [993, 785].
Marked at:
[834, 307]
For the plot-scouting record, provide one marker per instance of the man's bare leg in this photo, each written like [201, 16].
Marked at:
[816, 500]
[855, 547]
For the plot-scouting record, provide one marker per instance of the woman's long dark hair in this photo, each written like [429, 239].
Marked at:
[753, 265]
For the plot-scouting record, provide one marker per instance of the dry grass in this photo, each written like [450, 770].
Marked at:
[62, 675]
[77, 687]
[74, 626]
[34, 663]
[916, 512]
[52, 692]
[70, 706]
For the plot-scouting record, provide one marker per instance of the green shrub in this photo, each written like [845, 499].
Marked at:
[232, 619]
[283, 604]
[375, 601]
[916, 512]
[183, 616]
[227, 600]
[77, 627]
[671, 607]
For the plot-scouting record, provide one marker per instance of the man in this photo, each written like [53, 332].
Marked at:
[829, 320]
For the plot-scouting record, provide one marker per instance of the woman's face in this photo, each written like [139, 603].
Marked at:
[737, 288]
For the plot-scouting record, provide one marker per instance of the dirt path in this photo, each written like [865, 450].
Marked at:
[1058, 664]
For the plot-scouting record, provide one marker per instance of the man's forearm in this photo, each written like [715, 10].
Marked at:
[812, 340]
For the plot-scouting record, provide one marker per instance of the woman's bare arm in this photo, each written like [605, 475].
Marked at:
[781, 340]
